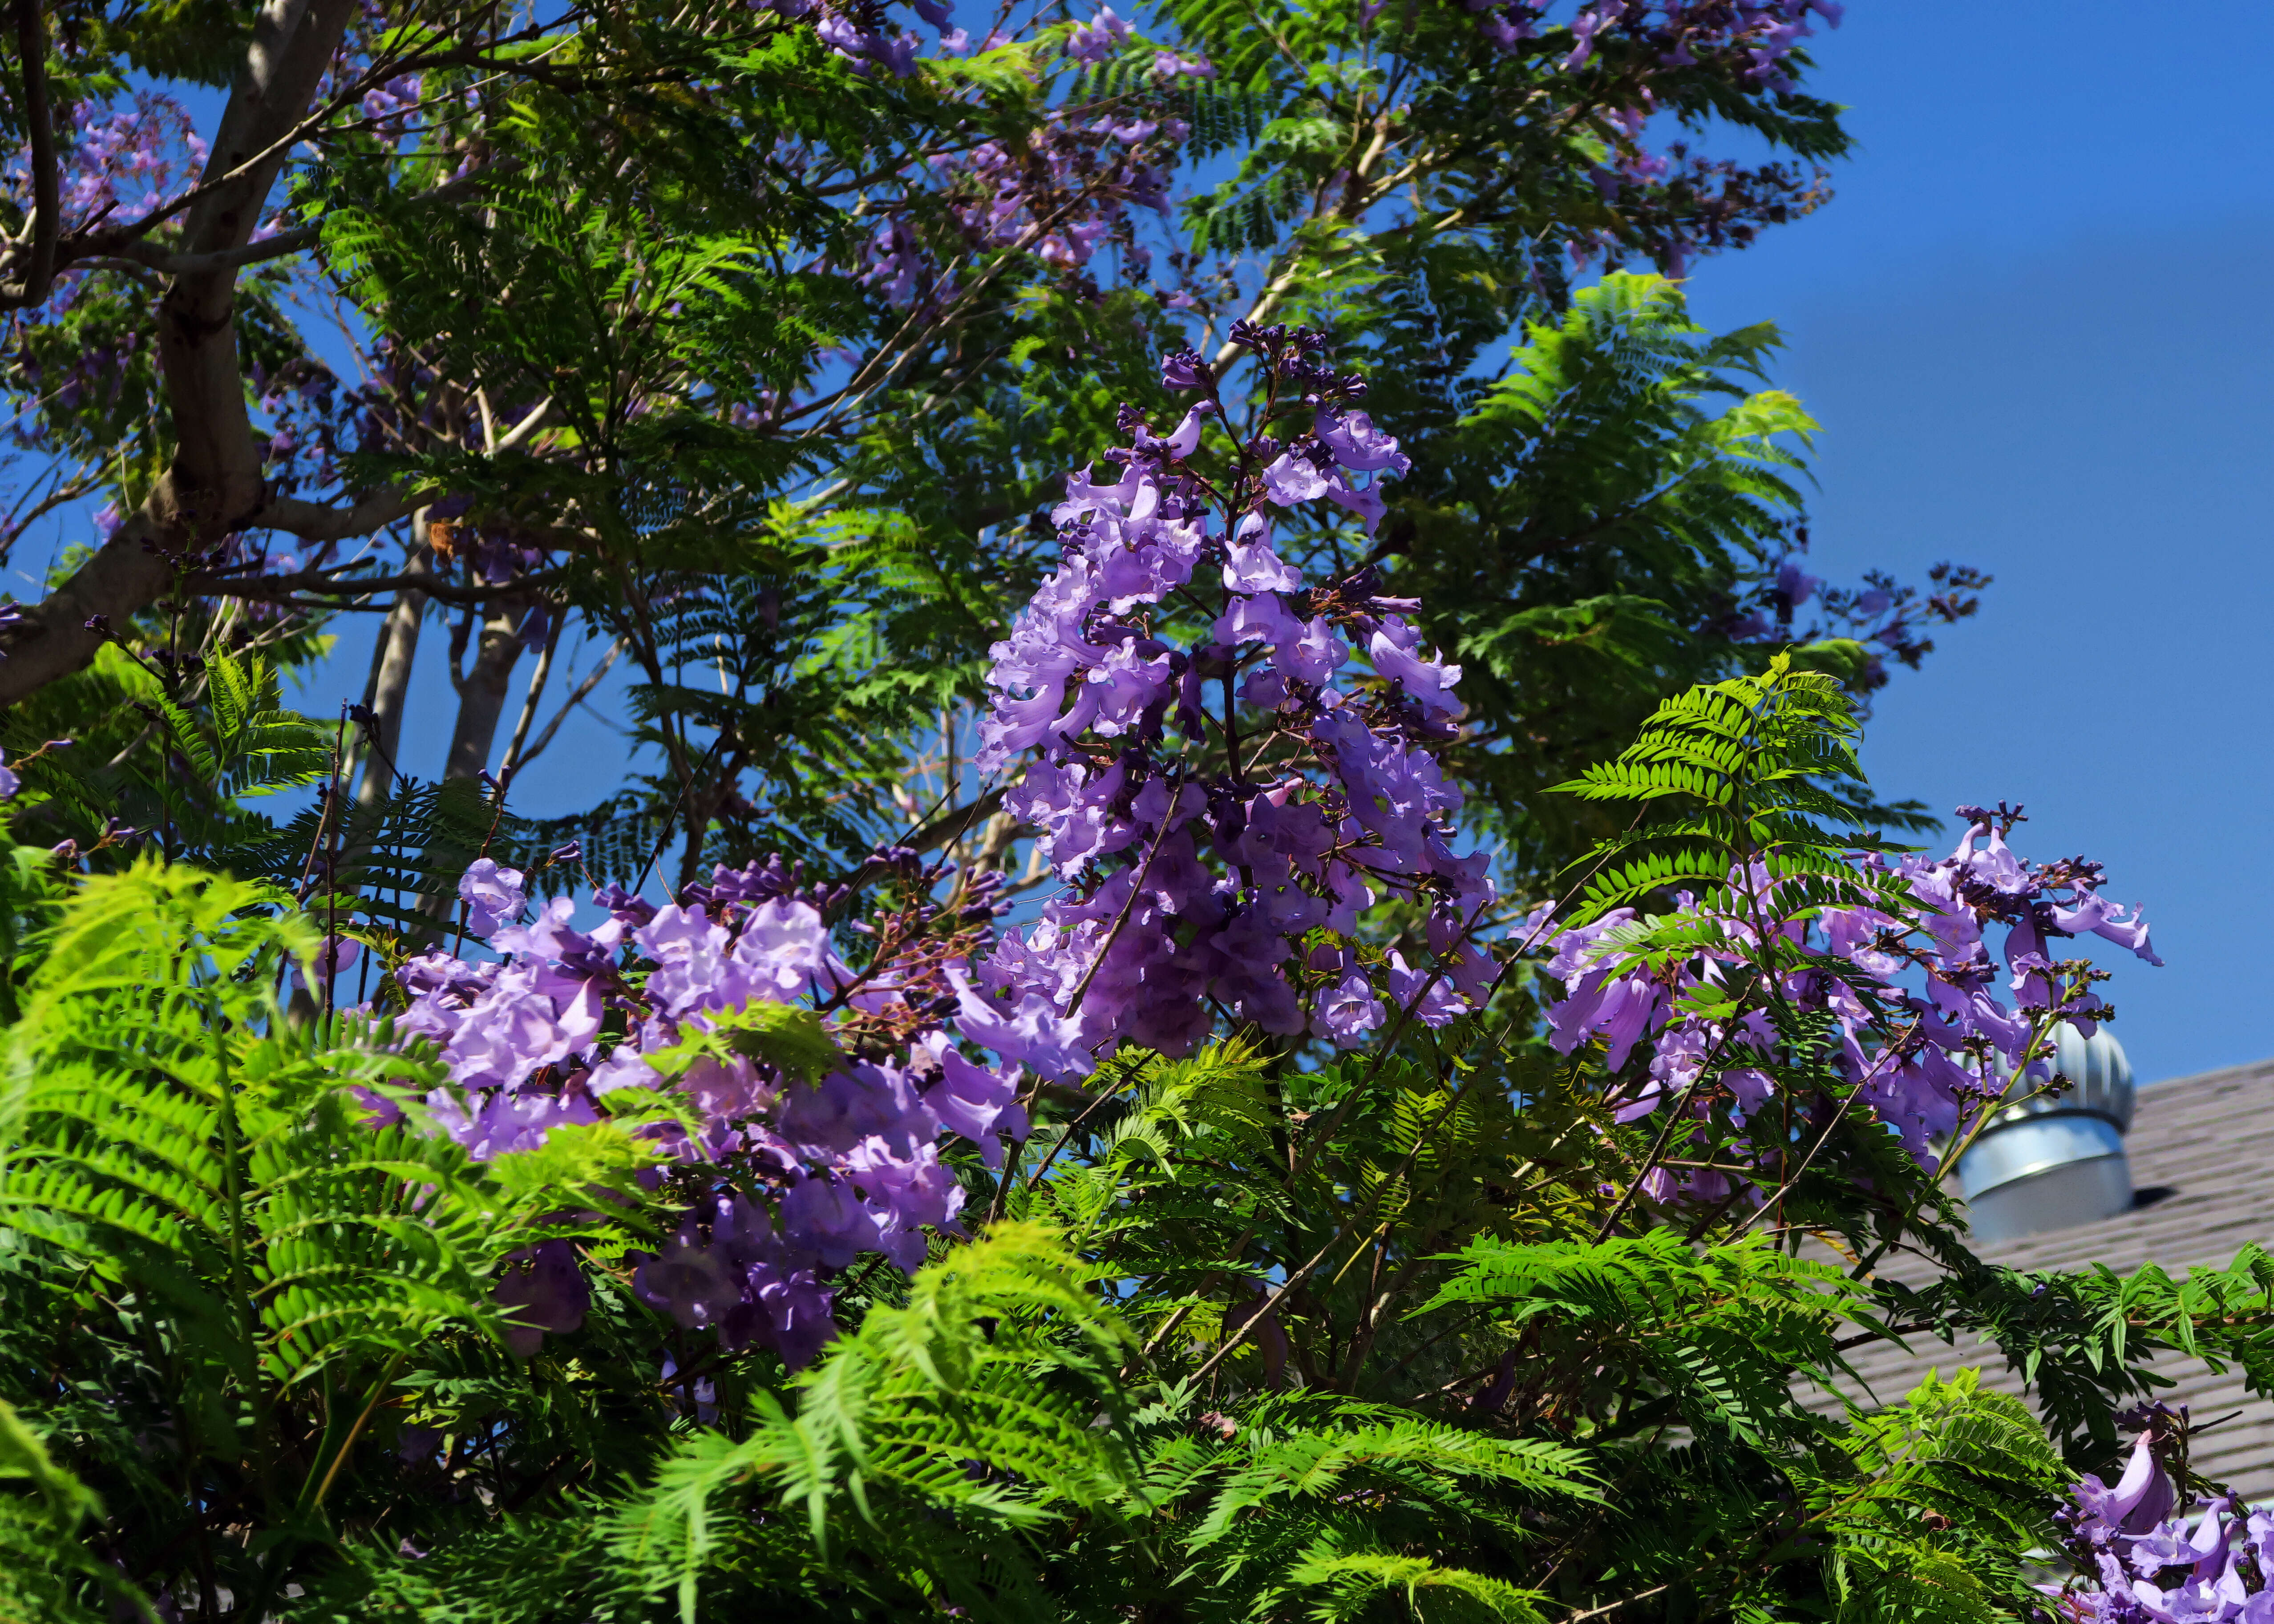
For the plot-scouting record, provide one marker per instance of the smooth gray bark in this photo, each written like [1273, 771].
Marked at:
[481, 702]
[398, 639]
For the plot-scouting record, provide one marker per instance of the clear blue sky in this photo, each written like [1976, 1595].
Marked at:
[2033, 328]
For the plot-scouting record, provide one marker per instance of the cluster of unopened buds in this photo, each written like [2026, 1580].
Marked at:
[1916, 1000]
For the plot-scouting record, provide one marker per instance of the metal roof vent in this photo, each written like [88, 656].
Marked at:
[2053, 1163]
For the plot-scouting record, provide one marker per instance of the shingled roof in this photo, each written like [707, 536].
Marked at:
[2202, 1150]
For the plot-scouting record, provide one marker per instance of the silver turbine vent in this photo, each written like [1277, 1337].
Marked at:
[2051, 1163]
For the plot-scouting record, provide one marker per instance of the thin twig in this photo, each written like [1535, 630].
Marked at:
[1067, 1138]
[1838, 1115]
[536, 679]
[582, 692]
[1610, 1607]
[663, 835]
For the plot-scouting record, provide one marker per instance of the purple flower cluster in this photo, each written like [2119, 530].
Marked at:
[799, 1177]
[1753, 36]
[115, 161]
[1672, 205]
[1508, 24]
[1103, 35]
[386, 107]
[1098, 38]
[1952, 1028]
[91, 375]
[1060, 194]
[856, 31]
[122, 159]
[542, 1290]
[1069, 188]
[2147, 1566]
[1891, 619]
[1222, 796]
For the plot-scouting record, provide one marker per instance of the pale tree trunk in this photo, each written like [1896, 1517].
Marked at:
[481, 701]
[390, 686]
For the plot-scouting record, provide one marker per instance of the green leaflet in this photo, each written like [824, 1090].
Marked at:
[789, 1036]
[42, 1564]
[1744, 761]
[989, 1393]
[1722, 1329]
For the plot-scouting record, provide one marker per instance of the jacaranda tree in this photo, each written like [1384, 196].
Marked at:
[1236, 968]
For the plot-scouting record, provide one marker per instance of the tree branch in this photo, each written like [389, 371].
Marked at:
[229, 258]
[946, 827]
[173, 264]
[249, 161]
[46, 190]
[582, 691]
[321, 584]
[321, 522]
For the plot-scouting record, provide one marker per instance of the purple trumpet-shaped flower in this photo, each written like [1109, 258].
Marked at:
[1347, 1012]
[542, 1290]
[1294, 480]
[492, 895]
[693, 1280]
[788, 1309]
[1096, 39]
[2139, 1563]
[333, 954]
[1357, 444]
[973, 1101]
